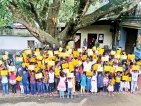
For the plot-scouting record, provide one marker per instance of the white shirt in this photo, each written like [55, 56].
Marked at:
[70, 84]
[134, 75]
[88, 65]
[4, 79]
[51, 77]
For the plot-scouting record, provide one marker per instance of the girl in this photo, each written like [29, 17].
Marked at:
[13, 82]
[32, 83]
[105, 83]
[62, 85]
[111, 87]
[83, 83]
[100, 82]
[94, 83]
[70, 86]
[88, 85]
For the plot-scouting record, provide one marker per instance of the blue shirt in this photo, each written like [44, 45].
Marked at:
[83, 80]
[77, 76]
[25, 78]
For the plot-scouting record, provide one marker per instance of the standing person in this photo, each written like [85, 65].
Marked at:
[39, 86]
[94, 83]
[18, 72]
[70, 86]
[25, 82]
[77, 79]
[21, 87]
[100, 82]
[93, 42]
[88, 85]
[117, 83]
[62, 86]
[97, 43]
[83, 83]
[134, 80]
[13, 82]
[4, 81]
[51, 82]
[45, 81]
[33, 83]
[85, 43]
[111, 88]
[105, 83]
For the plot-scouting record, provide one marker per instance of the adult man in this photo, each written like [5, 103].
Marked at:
[88, 64]
[97, 43]
[85, 43]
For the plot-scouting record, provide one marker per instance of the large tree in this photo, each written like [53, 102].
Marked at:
[40, 16]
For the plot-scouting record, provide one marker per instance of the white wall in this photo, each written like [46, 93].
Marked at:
[97, 29]
[14, 42]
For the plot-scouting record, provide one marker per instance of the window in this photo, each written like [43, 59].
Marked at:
[100, 38]
[31, 43]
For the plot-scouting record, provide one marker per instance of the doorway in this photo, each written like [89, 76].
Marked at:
[90, 37]
[77, 43]
[131, 38]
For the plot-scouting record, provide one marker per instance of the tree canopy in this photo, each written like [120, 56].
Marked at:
[41, 17]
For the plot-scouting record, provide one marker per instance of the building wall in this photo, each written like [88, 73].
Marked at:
[14, 42]
[97, 29]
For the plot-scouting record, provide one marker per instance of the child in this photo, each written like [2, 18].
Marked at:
[100, 82]
[88, 85]
[13, 82]
[32, 83]
[25, 82]
[111, 87]
[4, 81]
[39, 86]
[135, 75]
[117, 83]
[70, 86]
[77, 79]
[105, 83]
[21, 87]
[45, 81]
[51, 82]
[62, 85]
[94, 83]
[83, 83]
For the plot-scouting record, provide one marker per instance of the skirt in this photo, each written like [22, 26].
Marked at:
[110, 88]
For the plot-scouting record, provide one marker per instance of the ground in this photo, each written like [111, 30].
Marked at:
[122, 99]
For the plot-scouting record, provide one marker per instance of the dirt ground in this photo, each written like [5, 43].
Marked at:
[122, 99]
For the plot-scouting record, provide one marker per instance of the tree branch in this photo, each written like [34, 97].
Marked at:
[89, 2]
[36, 32]
[101, 12]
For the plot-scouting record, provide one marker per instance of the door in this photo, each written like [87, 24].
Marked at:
[131, 38]
[78, 41]
[90, 37]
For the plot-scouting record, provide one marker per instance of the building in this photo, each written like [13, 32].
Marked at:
[103, 29]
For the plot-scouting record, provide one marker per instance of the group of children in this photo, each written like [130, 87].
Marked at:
[86, 76]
